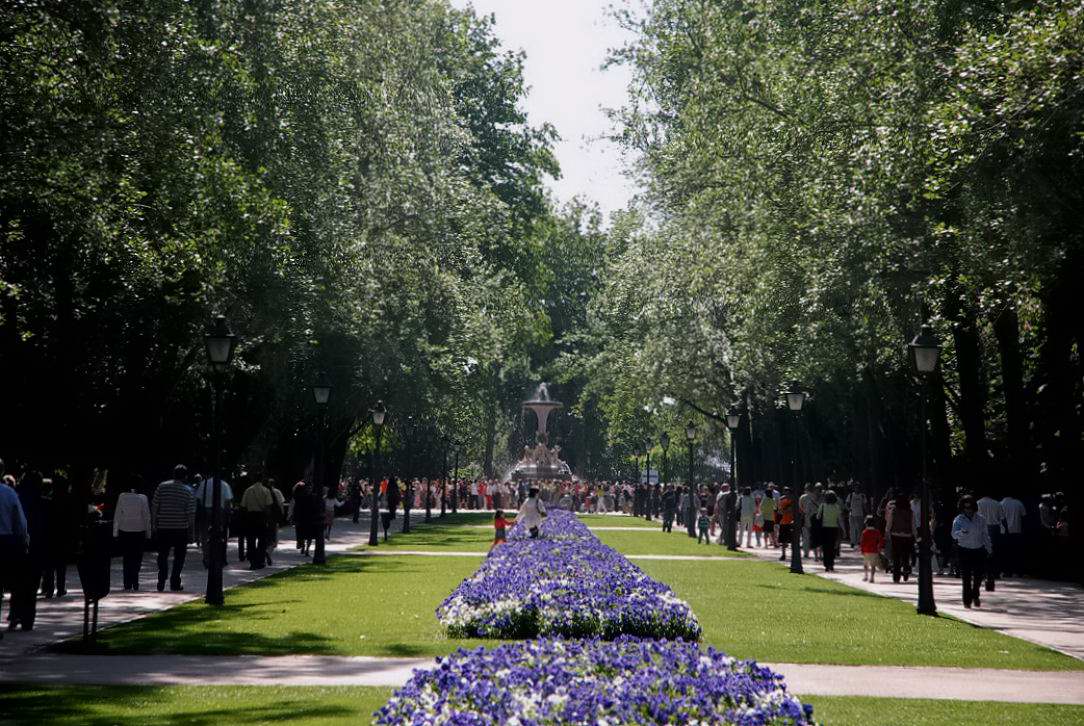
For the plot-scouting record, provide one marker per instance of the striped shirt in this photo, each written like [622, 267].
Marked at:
[174, 506]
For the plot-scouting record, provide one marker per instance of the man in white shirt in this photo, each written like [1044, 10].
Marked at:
[205, 497]
[990, 509]
[1013, 512]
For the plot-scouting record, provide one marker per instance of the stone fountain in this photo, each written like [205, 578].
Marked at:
[541, 461]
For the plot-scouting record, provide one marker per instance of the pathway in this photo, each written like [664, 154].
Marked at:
[309, 670]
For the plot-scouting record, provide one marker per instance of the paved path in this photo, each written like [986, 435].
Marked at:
[1040, 611]
[308, 670]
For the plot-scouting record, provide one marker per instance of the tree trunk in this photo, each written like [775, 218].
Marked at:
[1007, 329]
[973, 394]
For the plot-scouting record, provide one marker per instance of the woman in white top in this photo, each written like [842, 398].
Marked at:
[132, 526]
[531, 513]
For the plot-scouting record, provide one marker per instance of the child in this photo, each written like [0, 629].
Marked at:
[703, 522]
[871, 543]
[500, 526]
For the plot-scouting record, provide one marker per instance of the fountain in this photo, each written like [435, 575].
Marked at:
[541, 461]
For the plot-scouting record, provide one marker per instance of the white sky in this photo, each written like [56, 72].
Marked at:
[566, 43]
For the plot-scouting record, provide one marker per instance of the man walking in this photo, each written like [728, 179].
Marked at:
[1013, 512]
[856, 505]
[205, 502]
[173, 516]
[256, 506]
[669, 506]
[12, 536]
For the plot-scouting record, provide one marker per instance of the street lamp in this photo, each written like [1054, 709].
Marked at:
[321, 393]
[377, 414]
[795, 400]
[220, 343]
[925, 351]
[733, 420]
[690, 507]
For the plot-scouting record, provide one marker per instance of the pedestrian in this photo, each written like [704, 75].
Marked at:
[394, 499]
[669, 507]
[767, 516]
[703, 522]
[205, 501]
[870, 542]
[972, 535]
[329, 504]
[500, 528]
[300, 504]
[830, 513]
[785, 513]
[531, 513]
[747, 513]
[63, 526]
[807, 510]
[275, 518]
[173, 519]
[257, 504]
[13, 537]
[858, 510]
[990, 509]
[1013, 512]
[900, 527]
[132, 529]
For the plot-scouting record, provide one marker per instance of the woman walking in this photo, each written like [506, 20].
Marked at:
[831, 516]
[132, 528]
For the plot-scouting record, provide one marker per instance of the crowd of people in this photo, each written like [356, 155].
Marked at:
[44, 521]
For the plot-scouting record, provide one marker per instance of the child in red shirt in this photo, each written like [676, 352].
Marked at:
[871, 543]
[500, 526]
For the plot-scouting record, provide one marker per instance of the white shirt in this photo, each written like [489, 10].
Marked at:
[990, 509]
[1014, 512]
[133, 514]
[205, 493]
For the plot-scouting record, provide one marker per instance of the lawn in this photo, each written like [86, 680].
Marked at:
[339, 706]
[652, 542]
[759, 610]
[862, 711]
[381, 606]
[384, 606]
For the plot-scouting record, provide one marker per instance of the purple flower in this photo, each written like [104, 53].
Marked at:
[625, 681]
[566, 583]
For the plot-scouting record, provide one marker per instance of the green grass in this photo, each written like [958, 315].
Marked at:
[462, 532]
[379, 606]
[616, 520]
[759, 610]
[863, 711]
[339, 706]
[190, 705]
[384, 606]
[650, 542]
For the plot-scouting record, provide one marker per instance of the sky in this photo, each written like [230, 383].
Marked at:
[566, 42]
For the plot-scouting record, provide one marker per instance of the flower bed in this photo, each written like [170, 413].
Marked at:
[627, 681]
[573, 586]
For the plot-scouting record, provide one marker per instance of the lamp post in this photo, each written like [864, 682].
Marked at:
[690, 518]
[925, 351]
[733, 420]
[444, 478]
[321, 393]
[378, 413]
[795, 400]
[219, 343]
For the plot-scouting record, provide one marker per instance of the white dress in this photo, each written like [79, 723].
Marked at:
[530, 514]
